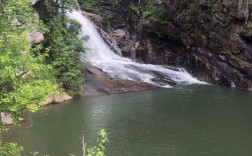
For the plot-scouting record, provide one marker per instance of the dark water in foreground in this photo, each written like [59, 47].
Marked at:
[182, 121]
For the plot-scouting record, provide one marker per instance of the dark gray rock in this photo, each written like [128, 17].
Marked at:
[211, 39]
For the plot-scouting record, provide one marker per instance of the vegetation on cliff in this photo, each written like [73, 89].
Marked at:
[149, 9]
[211, 39]
[28, 72]
[24, 79]
[154, 11]
[90, 5]
[64, 47]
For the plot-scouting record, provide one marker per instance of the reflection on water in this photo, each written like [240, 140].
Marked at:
[182, 121]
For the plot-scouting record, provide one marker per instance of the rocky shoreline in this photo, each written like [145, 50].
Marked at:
[98, 83]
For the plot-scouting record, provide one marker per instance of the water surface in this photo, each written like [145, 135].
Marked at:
[183, 121]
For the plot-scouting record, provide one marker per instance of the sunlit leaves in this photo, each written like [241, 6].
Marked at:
[64, 49]
[10, 149]
[24, 79]
[102, 140]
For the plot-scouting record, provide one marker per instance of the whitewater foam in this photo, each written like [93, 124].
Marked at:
[101, 56]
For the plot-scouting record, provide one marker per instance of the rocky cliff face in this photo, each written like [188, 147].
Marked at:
[212, 39]
[218, 35]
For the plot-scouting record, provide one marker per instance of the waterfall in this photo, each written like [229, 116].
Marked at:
[101, 56]
[110, 41]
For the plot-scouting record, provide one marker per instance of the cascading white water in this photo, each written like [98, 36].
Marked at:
[100, 56]
[109, 40]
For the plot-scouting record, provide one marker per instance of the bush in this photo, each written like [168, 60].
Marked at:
[99, 149]
[64, 47]
[10, 149]
[154, 11]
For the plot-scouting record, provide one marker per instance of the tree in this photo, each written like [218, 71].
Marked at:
[59, 7]
[24, 79]
[64, 48]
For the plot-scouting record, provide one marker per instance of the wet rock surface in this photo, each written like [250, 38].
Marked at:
[212, 39]
[216, 34]
[99, 83]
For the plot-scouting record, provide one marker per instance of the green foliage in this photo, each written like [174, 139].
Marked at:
[10, 149]
[97, 6]
[190, 6]
[17, 14]
[154, 11]
[216, 6]
[24, 79]
[74, 27]
[59, 7]
[90, 5]
[64, 49]
[99, 149]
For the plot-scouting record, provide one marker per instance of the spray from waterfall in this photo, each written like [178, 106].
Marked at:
[101, 56]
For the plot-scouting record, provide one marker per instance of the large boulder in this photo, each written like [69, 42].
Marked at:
[56, 98]
[61, 97]
[36, 37]
[7, 119]
[99, 83]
